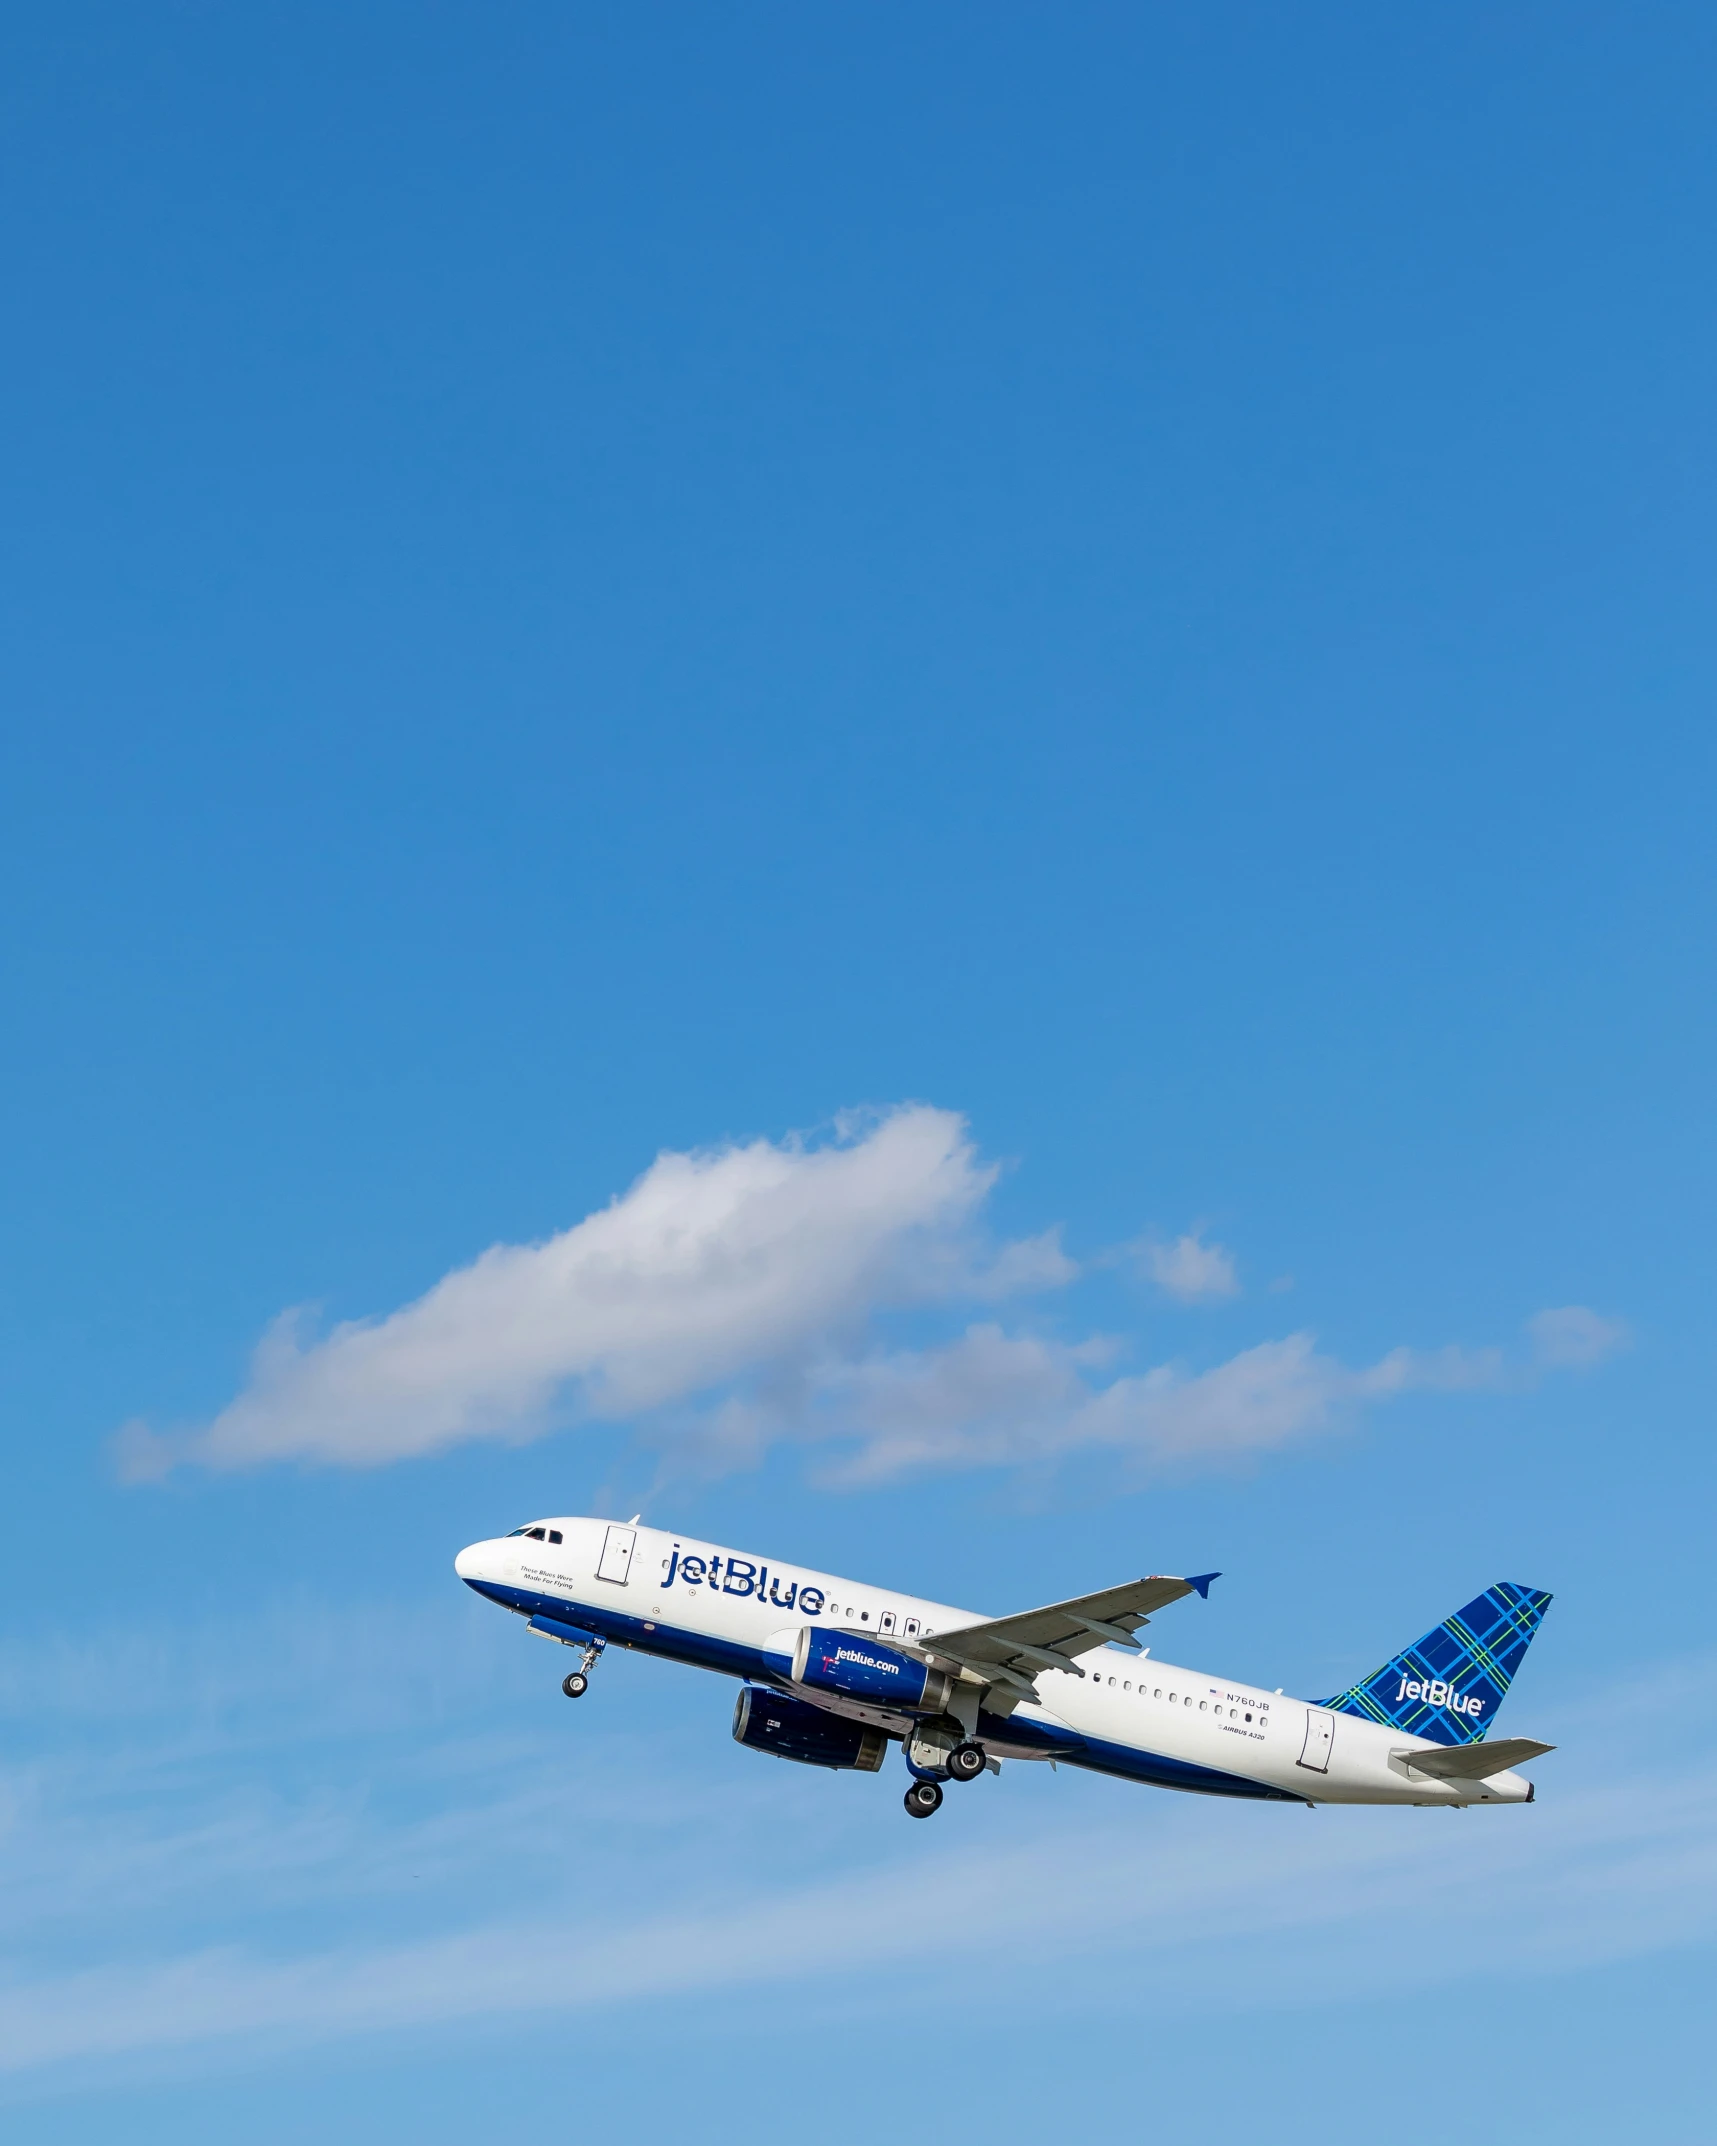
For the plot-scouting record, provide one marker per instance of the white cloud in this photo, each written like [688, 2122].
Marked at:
[711, 1265]
[729, 1300]
[1191, 1270]
[1573, 1338]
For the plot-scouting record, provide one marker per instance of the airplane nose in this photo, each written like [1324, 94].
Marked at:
[469, 1562]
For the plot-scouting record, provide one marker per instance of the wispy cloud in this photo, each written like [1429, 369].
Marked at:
[1190, 1270]
[1218, 1901]
[1572, 1338]
[991, 1399]
[159, 1899]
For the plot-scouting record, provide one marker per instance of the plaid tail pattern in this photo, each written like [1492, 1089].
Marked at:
[1447, 1686]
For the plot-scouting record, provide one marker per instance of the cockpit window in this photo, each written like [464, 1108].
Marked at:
[530, 1528]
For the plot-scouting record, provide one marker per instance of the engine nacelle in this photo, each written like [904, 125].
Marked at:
[852, 1665]
[795, 1729]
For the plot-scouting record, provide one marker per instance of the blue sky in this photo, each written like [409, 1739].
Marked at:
[1048, 676]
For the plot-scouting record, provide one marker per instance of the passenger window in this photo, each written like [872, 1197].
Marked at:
[1201, 1706]
[1159, 1692]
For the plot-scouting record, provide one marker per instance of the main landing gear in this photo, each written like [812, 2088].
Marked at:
[963, 1763]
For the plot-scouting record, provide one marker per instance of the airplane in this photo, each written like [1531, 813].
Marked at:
[833, 1671]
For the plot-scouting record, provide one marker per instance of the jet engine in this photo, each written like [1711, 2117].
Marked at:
[851, 1665]
[794, 1729]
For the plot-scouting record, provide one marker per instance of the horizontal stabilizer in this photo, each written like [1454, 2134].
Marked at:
[1476, 1762]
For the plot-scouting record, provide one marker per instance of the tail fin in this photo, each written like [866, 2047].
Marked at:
[1447, 1686]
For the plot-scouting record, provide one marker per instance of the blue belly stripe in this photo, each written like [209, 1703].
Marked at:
[1127, 1761]
[696, 1648]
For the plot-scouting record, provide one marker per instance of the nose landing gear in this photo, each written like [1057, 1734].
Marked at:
[577, 1682]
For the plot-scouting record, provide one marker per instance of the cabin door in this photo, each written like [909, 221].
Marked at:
[1320, 1734]
[616, 1560]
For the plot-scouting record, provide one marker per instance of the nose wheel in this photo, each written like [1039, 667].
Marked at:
[577, 1683]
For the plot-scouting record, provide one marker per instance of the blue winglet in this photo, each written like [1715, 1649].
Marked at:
[1202, 1580]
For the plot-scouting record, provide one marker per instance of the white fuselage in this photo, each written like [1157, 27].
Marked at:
[1132, 1715]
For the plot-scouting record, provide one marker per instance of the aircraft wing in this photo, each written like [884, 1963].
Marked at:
[1476, 1762]
[1012, 1651]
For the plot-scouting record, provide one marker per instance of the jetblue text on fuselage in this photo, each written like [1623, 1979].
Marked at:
[741, 1577]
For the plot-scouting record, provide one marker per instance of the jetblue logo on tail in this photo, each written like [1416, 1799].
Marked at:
[1437, 1693]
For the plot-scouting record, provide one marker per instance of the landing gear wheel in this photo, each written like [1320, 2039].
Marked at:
[965, 1762]
[576, 1685]
[923, 1799]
